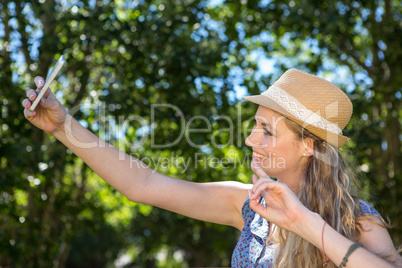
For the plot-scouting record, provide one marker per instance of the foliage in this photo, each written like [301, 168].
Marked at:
[123, 57]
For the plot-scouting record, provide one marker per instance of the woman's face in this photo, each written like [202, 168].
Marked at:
[276, 148]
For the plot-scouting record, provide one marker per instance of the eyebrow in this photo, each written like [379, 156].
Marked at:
[264, 124]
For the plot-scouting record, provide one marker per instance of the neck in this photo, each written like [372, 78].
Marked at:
[292, 180]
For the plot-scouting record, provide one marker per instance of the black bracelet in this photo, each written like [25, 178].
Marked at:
[352, 248]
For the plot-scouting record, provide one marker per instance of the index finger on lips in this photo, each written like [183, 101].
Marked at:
[255, 166]
[260, 173]
[39, 82]
[255, 179]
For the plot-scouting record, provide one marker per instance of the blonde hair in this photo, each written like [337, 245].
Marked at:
[325, 188]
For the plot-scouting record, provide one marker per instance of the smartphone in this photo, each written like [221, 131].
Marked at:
[49, 80]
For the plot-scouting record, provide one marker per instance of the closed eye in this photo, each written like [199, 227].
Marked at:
[267, 133]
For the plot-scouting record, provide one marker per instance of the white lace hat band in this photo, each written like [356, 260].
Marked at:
[312, 102]
[298, 110]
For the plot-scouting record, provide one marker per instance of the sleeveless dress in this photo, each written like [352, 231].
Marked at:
[251, 250]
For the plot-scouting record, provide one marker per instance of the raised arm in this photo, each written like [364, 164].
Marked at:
[218, 202]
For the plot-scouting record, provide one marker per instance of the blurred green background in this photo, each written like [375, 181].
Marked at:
[201, 56]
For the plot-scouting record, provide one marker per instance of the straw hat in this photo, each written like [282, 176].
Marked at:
[310, 101]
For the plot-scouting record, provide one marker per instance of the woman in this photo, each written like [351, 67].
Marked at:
[300, 220]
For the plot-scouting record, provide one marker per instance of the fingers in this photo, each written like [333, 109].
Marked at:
[26, 103]
[31, 94]
[264, 186]
[39, 82]
[258, 170]
[28, 114]
[255, 179]
[44, 102]
[257, 206]
[259, 173]
[255, 203]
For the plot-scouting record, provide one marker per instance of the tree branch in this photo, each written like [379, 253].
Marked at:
[351, 51]
[7, 30]
[374, 48]
[364, 66]
[22, 24]
[387, 10]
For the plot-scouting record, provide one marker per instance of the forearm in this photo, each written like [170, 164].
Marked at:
[335, 244]
[123, 172]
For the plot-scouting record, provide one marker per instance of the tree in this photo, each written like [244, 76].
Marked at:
[121, 59]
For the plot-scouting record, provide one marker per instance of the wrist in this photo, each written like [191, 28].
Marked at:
[60, 130]
[307, 226]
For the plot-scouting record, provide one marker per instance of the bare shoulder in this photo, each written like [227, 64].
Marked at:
[233, 193]
[377, 240]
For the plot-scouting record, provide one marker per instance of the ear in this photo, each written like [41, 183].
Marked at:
[308, 145]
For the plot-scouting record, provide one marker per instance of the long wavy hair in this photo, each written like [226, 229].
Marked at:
[325, 188]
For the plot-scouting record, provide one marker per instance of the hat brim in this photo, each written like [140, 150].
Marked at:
[332, 138]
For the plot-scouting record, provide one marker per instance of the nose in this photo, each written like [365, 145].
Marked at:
[253, 140]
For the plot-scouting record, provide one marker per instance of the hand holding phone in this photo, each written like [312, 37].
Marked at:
[49, 80]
